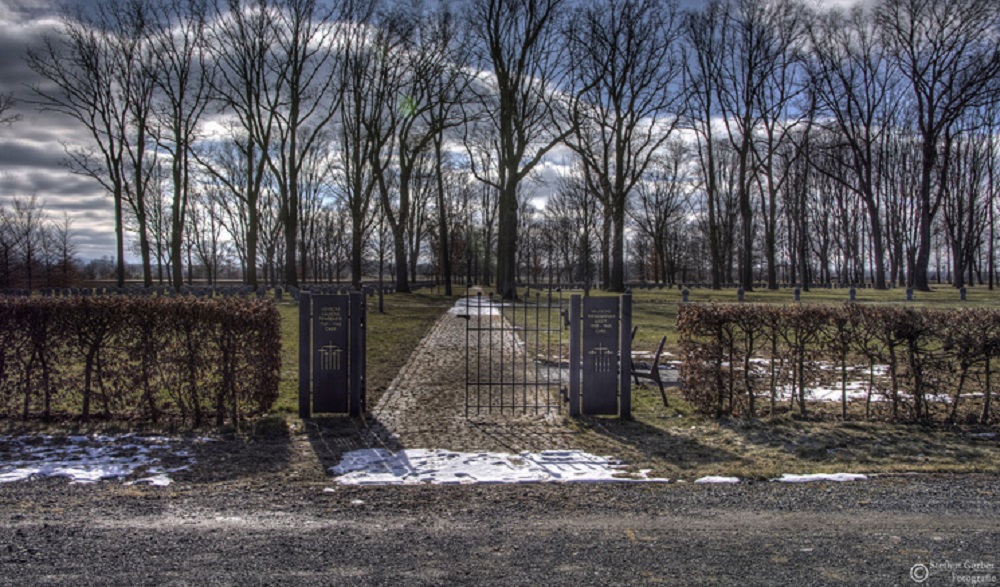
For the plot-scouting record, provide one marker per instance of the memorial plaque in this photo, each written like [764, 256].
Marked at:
[330, 353]
[600, 355]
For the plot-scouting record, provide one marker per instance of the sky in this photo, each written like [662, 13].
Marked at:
[32, 157]
[31, 151]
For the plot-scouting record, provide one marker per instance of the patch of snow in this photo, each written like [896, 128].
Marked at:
[835, 477]
[88, 459]
[476, 306]
[155, 481]
[443, 467]
[716, 479]
[983, 435]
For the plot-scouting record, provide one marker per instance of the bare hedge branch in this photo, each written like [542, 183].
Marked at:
[915, 364]
[148, 358]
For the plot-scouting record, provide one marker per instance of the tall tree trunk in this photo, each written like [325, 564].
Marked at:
[617, 282]
[506, 285]
[119, 238]
[443, 235]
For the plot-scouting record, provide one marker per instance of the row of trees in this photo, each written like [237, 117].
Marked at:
[36, 250]
[747, 139]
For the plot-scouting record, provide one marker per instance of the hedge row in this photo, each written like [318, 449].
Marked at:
[914, 364]
[139, 358]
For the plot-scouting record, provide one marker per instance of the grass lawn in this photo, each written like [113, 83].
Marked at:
[392, 336]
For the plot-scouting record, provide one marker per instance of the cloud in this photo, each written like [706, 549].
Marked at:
[32, 156]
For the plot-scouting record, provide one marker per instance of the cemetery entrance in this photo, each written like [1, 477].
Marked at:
[541, 355]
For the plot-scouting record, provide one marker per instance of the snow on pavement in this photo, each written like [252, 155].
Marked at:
[790, 478]
[835, 477]
[715, 479]
[471, 306]
[88, 459]
[443, 467]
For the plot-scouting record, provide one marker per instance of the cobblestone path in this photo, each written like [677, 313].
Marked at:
[425, 406]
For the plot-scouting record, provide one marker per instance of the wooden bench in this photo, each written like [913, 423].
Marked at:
[653, 373]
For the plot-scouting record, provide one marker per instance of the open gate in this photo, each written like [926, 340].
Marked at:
[519, 355]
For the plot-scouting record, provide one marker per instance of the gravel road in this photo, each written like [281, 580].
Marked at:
[255, 533]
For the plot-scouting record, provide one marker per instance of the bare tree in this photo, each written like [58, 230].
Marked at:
[754, 42]
[661, 202]
[434, 55]
[626, 65]
[98, 69]
[183, 79]
[703, 29]
[64, 243]
[518, 42]
[948, 54]
[364, 144]
[240, 44]
[853, 82]
[7, 104]
[308, 40]
[573, 213]
[965, 203]
[28, 221]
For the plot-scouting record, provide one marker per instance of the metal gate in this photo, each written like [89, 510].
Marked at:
[533, 355]
[515, 359]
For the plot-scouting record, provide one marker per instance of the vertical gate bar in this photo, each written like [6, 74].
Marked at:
[549, 350]
[625, 363]
[524, 371]
[356, 352]
[305, 369]
[574, 355]
[468, 324]
[513, 357]
[538, 308]
[364, 353]
[503, 350]
[489, 366]
[479, 354]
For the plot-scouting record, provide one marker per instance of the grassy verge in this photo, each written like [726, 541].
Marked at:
[677, 443]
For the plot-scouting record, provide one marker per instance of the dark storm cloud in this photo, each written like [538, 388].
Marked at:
[32, 155]
[24, 153]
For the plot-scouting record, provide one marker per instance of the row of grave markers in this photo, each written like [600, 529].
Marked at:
[197, 291]
[852, 294]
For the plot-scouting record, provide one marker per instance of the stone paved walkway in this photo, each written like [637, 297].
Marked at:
[425, 406]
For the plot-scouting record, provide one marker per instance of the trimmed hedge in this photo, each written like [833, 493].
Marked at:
[139, 358]
[925, 364]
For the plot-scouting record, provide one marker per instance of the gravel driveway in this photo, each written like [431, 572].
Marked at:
[861, 533]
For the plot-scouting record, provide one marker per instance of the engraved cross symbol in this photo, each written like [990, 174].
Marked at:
[329, 357]
[602, 358]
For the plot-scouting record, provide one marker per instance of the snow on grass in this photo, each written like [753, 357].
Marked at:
[443, 467]
[713, 479]
[835, 477]
[88, 459]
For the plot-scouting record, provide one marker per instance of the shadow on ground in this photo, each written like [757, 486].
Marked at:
[665, 451]
[264, 449]
[329, 437]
